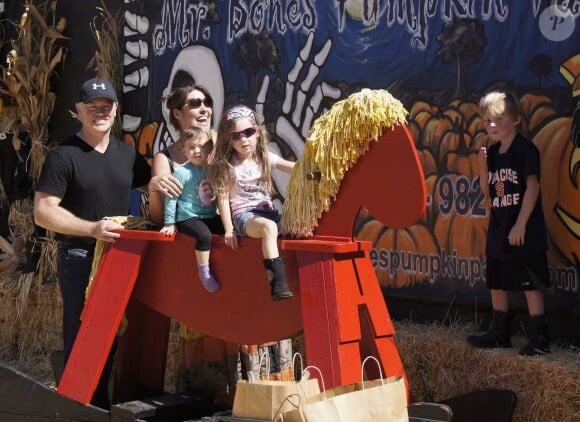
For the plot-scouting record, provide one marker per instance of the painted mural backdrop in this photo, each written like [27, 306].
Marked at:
[292, 59]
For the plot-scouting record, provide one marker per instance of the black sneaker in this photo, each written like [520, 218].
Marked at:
[538, 345]
[489, 340]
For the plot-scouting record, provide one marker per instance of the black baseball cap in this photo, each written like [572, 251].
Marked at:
[97, 88]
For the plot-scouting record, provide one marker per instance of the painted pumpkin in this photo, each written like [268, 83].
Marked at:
[434, 130]
[456, 140]
[399, 255]
[465, 234]
[420, 106]
[427, 162]
[560, 187]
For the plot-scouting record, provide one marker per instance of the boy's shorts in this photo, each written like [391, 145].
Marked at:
[241, 220]
[521, 274]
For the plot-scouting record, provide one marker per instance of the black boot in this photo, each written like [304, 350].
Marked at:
[499, 334]
[539, 343]
[277, 276]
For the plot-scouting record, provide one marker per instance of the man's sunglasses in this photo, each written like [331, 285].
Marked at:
[196, 102]
[236, 136]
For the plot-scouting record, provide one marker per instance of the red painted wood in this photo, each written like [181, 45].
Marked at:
[338, 301]
[345, 317]
[169, 284]
[101, 318]
[388, 180]
[319, 315]
[325, 244]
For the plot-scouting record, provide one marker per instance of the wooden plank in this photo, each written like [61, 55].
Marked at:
[101, 317]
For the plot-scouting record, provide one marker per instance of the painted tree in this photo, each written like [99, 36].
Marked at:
[462, 41]
[254, 53]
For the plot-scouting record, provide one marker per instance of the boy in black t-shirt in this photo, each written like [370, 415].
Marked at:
[509, 174]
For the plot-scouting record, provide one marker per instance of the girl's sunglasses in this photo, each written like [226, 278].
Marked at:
[197, 102]
[236, 136]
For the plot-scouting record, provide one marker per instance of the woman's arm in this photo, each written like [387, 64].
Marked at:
[162, 185]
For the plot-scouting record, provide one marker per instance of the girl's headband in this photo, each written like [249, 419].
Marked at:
[237, 112]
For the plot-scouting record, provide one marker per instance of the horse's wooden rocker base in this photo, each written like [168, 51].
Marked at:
[338, 303]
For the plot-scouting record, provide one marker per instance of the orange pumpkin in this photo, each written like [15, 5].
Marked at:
[465, 164]
[400, 256]
[540, 116]
[415, 132]
[427, 162]
[454, 140]
[469, 110]
[461, 209]
[421, 120]
[420, 106]
[560, 188]
[475, 124]
[454, 103]
[456, 117]
[530, 102]
[433, 131]
[462, 237]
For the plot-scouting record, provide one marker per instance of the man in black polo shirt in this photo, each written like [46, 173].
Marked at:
[86, 178]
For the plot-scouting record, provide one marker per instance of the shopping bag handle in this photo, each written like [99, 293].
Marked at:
[298, 355]
[288, 399]
[362, 375]
[319, 373]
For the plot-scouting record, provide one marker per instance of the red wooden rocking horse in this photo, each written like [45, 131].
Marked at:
[338, 302]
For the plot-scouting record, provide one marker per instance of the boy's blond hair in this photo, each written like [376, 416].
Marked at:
[496, 103]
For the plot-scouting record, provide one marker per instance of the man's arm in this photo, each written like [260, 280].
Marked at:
[49, 214]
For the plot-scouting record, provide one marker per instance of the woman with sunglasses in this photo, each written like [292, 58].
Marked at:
[241, 175]
[204, 360]
[188, 106]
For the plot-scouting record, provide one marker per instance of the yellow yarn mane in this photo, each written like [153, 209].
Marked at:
[335, 142]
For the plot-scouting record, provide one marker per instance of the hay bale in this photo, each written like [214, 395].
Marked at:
[440, 364]
[30, 324]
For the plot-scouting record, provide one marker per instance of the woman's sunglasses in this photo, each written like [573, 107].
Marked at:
[197, 102]
[236, 136]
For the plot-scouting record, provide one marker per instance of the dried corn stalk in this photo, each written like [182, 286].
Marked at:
[108, 58]
[35, 54]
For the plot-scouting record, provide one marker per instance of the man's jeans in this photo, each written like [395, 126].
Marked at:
[74, 269]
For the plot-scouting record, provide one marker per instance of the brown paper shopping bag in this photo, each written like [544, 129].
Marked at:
[368, 401]
[265, 399]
